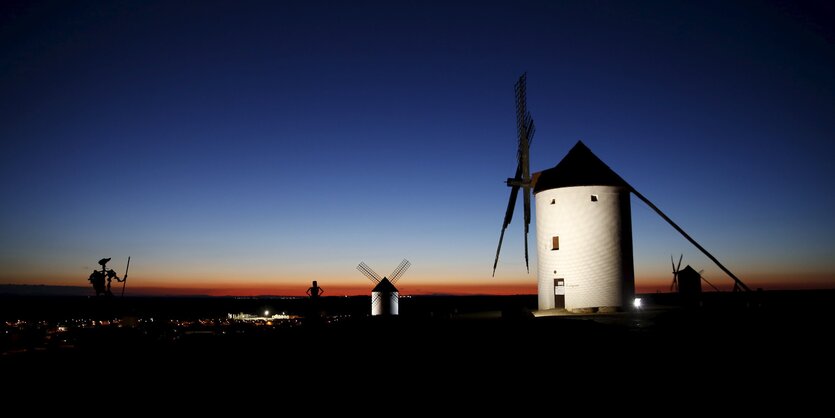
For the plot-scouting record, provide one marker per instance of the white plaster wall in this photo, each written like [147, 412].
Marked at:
[595, 254]
[383, 303]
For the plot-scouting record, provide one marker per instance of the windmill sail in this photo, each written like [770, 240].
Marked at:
[674, 285]
[398, 272]
[522, 179]
[368, 272]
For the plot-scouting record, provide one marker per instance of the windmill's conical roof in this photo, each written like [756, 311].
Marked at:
[580, 167]
[688, 272]
[384, 286]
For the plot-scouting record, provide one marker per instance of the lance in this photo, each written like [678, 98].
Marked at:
[125, 281]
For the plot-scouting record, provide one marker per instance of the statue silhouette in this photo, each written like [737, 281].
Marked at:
[315, 291]
[313, 317]
[97, 278]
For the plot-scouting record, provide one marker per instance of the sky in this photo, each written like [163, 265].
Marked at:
[251, 147]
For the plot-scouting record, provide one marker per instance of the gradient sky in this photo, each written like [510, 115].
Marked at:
[251, 147]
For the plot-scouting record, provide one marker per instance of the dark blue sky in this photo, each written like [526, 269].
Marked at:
[279, 142]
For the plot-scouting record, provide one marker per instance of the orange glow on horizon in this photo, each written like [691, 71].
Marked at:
[138, 285]
[294, 290]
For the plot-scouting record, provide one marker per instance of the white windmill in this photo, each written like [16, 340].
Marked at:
[583, 225]
[384, 296]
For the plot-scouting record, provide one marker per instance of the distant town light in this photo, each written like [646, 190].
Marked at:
[266, 313]
[637, 303]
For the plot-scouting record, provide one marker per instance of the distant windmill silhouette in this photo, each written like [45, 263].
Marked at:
[384, 296]
[677, 270]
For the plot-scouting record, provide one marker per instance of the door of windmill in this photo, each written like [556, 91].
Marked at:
[559, 293]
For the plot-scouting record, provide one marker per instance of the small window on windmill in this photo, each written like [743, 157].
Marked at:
[555, 243]
[553, 201]
[594, 198]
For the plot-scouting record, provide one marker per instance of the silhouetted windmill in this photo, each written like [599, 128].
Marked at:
[691, 276]
[384, 296]
[583, 225]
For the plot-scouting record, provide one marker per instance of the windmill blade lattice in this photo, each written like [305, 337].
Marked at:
[368, 272]
[398, 272]
[522, 179]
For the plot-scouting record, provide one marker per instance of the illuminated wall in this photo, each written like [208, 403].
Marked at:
[584, 236]
[385, 303]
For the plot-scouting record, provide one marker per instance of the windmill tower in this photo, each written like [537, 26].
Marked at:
[584, 234]
[689, 283]
[384, 296]
[583, 225]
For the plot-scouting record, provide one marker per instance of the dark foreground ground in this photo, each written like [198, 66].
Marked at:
[768, 341]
